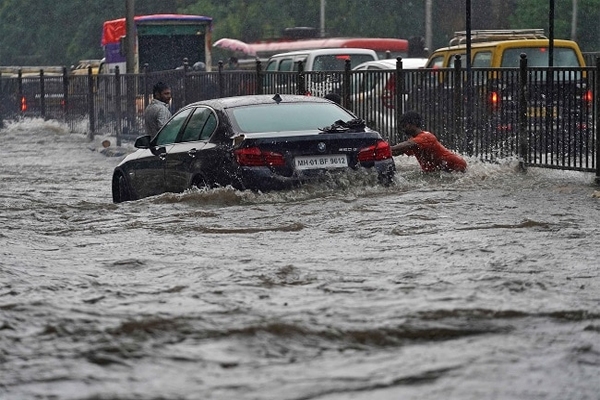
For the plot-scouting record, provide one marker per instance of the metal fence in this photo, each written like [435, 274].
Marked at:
[545, 117]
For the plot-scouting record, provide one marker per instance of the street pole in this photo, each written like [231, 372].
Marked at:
[428, 26]
[130, 35]
[322, 18]
[469, 84]
[130, 64]
[574, 22]
[551, 34]
[468, 33]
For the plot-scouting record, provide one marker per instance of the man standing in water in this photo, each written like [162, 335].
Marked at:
[157, 113]
[430, 153]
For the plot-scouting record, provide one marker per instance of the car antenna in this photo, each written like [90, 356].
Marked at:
[277, 98]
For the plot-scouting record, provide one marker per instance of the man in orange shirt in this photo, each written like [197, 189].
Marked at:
[430, 153]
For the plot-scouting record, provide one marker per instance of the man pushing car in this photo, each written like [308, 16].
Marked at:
[430, 153]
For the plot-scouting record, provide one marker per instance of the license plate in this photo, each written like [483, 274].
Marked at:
[318, 162]
[540, 112]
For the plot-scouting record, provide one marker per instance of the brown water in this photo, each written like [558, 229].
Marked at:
[482, 285]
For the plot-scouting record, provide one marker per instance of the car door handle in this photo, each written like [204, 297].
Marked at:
[192, 152]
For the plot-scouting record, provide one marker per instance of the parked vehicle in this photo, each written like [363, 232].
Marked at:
[324, 69]
[162, 41]
[374, 91]
[83, 66]
[560, 101]
[304, 38]
[384, 47]
[258, 142]
[502, 48]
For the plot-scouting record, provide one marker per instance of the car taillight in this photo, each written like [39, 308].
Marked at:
[377, 152]
[255, 157]
[494, 99]
[388, 97]
[588, 97]
[23, 104]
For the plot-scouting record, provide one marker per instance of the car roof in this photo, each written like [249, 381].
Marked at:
[510, 43]
[241, 101]
[500, 46]
[390, 63]
[339, 50]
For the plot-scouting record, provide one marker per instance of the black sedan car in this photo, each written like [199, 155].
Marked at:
[262, 143]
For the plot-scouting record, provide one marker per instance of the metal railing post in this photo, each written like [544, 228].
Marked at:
[458, 129]
[346, 89]
[398, 106]
[522, 113]
[597, 109]
[20, 98]
[1, 107]
[42, 94]
[186, 67]
[259, 77]
[147, 92]
[130, 97]
[301, 79]
[65, 104]
[118, 112]
[221, 78]
[91, 104]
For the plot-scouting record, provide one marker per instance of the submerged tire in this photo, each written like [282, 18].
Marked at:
[121, 191]
[201, 183]
[386, 178]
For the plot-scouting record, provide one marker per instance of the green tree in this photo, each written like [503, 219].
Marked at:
[37, 32]
[535, 14]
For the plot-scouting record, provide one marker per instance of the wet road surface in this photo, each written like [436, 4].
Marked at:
[482, 285]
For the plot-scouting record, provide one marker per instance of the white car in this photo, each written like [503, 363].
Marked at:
[374, 92]
[324, 69]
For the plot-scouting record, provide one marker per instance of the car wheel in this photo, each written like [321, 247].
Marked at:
[201, 183]
[386, 178]
[121, 191]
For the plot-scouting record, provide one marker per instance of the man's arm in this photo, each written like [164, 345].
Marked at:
[403, 147]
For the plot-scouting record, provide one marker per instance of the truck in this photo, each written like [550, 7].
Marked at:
[162, 42]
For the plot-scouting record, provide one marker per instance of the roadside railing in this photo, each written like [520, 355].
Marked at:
[544, 117]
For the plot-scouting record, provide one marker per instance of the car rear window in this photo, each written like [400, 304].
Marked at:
[538, 57]
[336, 62]
[482, 59]
[287, 117]
[436, 62]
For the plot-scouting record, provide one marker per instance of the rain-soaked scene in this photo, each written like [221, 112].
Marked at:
[447, 285]
[163, 234]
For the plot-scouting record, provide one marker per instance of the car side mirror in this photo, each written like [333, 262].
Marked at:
[142, 142]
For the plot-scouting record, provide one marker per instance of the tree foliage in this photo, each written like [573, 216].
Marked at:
[61, 32]
[37, 32]
[535, 14]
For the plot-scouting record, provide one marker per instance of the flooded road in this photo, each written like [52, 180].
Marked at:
[482, 285]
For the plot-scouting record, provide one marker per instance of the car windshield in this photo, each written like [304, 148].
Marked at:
[538, 57]
[287, 117]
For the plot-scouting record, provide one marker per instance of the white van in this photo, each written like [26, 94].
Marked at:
[324, 68]
[320, 59]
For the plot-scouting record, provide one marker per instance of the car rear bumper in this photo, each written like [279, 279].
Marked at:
[265, 179]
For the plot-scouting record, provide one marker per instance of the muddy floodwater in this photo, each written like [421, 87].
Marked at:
[483, 285]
